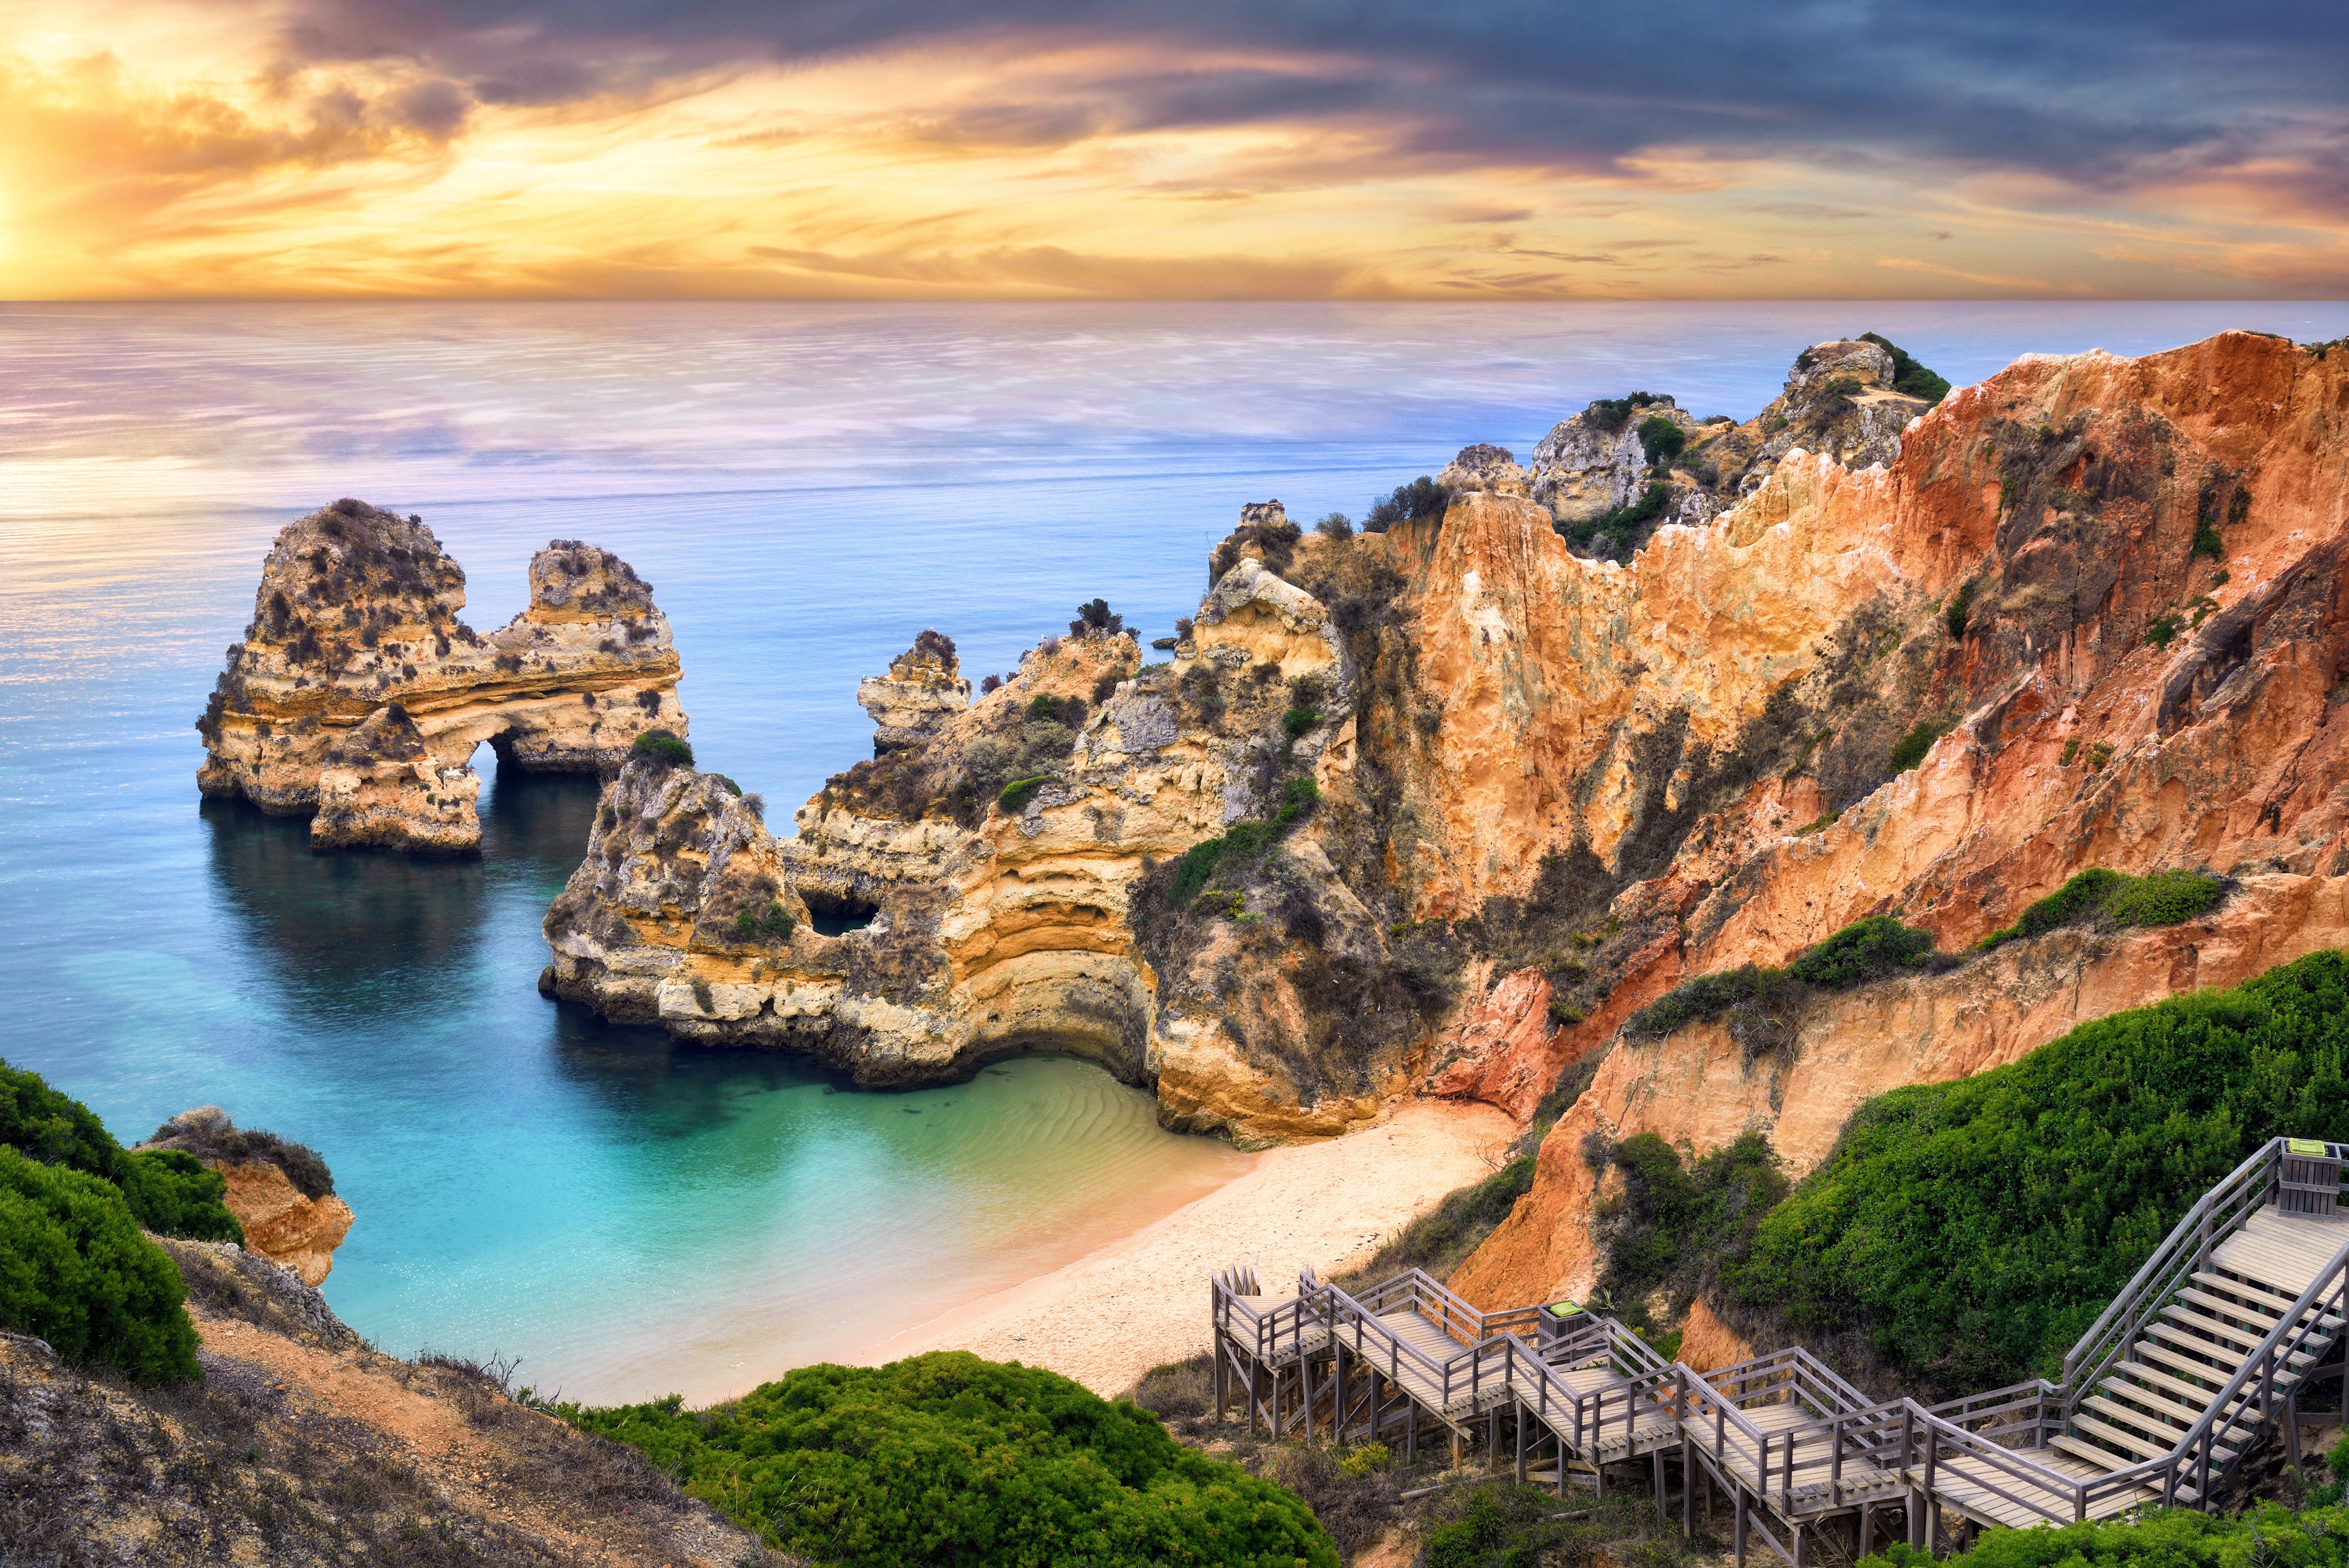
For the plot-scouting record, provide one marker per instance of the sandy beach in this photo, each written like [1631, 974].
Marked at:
[1113, 1314]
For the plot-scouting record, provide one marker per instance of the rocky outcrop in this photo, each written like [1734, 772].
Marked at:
[997, 853]
[2117, 586]
[282, 1194]
[923, 691]
[357, 696]
[1613, 473]
[1437, 809]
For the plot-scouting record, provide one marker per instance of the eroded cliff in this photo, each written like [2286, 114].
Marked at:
[1438, 808]
[357, 696]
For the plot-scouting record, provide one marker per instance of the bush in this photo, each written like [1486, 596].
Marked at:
[2267, 1534]
[174, 1196]
[2161, 631]
[1335, 525]
[1096, 619]
[947, 1457]
[209, 1135]
[1014, 797]
[75, 1271]
[1423, 497]
[2163, 898]
[1865, 951]
[1911, 749]
[1298, 720]
[1907, 376]
[1630, 519]
[1862, 951]
[1610, 414]
[1670, 1228]
[1960, 607]
[1661, 438]
[662, 746]
[2206, 543]
[1972, 1230]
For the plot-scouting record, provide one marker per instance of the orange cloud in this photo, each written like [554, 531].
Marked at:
[168, 155]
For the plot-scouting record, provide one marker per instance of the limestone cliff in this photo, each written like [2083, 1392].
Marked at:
[2117, 585]
[1437, 809]
[357, 697]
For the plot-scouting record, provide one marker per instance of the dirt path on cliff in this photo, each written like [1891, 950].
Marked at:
[1114, 1314]
[478, 1452]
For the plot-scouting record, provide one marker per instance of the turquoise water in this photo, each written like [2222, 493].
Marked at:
[806, 487]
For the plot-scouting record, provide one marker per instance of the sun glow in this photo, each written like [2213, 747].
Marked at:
[162, 150]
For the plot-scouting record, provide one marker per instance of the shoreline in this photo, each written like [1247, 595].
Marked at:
[1141, 1301]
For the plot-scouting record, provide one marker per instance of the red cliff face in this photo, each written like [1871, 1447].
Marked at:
[2118, 583]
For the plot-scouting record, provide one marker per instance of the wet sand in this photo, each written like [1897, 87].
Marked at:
[1140, 1300]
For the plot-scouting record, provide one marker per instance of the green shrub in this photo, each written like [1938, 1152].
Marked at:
[1907, 376]
[168, 1193]
[75, 1271]
[1911, 749]
[2163, 898]
[1960, 608]
[1669, 1228]
[1014, 797]
[1298, 720]
[1096, 619]
[1423, 497]
[1659, 437]
[1610, 414]
[2266, 1535]
[2206, 543]
[2161, 631]
[1239, 843]
[948, 1459]
[1298, 796]
[1973, 1230]
[662, 746]
[1862, 951]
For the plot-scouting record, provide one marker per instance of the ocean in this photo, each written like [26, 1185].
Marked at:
[806, 487]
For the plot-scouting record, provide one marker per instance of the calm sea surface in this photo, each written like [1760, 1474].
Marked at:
[806, 487]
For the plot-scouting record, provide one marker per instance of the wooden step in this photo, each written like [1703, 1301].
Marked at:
[2143, 1447]
[2153, 1350]
[2222, 1307]
[2187, 1393]
[2260, 1292]
[2211, 1328]
[2175, 1412]
[2103, 1459]
[2173, 1418]
[2151, 1427]
[2235, 1344]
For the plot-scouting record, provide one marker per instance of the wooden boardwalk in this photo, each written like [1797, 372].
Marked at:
[2201, 1355]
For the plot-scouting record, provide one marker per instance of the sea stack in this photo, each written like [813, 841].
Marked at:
[357, 696]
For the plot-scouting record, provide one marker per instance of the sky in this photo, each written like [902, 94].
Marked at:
[1215, 149]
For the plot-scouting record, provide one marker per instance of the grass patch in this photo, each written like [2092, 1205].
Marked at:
[2113, 899]
[1238, 845]
[947, 1457]
[1972, 1230]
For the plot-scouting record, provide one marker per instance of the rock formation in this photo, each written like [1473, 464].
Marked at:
[1437, 809]
[282, 1194]
[357, 696]
[1610, 475]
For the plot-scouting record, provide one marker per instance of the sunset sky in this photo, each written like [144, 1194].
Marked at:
[1270, 148]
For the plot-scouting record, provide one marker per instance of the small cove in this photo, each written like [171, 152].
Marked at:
[805, 487]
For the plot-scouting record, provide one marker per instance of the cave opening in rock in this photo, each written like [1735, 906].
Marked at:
[834, 915]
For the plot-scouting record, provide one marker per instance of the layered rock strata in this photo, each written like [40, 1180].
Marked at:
[2119, 585]
[357, 697]
[1436, 810]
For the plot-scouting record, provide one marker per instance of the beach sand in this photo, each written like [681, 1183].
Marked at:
[1113, 1314]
